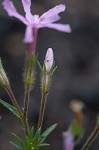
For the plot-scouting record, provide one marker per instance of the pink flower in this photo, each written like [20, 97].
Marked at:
[68, 141]
[36, 21]
[49, 59]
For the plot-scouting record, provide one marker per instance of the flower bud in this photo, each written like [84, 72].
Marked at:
[49, 59]
[47, 71]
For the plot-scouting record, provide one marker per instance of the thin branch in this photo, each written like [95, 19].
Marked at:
[13, 99]
[26, 101]
[42, 109]
[91, 138]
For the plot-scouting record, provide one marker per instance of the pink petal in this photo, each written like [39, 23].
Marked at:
[53, 14]
[26, 6]
[49, 59]
[28, 38]
[68, 141]
[58, 26]
[11, 10]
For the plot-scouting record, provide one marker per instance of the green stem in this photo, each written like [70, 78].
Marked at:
[42, 109]
[91, 138]
[25, 126]
[26, 101]
[13, 99]
[16, 105]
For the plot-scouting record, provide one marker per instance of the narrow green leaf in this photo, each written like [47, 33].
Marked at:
[29, 138]
[46, 133]
[36, 137]
[10, 108]
[31, 133]
[16, 146]
[43, 145]
[19, 140]
[27, 142]
[29, 146]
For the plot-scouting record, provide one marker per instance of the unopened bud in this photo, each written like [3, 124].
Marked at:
[49, 59]
[47, 70]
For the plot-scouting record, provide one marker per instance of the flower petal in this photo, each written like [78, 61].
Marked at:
[49, 59]
[58, 26]
[53, 14]
[26, 6]
[11, 10]
[28, 38]
[68, 141]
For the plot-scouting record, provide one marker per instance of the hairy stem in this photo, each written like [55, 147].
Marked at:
[16, 105]
[13, 99]
[42, 109]
[26, 101]
[91, 138]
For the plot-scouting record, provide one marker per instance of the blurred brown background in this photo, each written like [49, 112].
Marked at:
[77, 75]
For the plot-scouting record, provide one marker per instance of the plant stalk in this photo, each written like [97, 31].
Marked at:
[13, 99]
[42, 109]
[16, 105]
[91, 138]
[26, 101]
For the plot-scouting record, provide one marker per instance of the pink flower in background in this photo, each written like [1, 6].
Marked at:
[49, 59]
[68, 141]
[33, 22]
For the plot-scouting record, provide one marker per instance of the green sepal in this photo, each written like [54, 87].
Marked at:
[44, 69]
[30, 67]
[4, 79]
[10, 108]
[40, 67]
[41, 73]
[43, 77]
[53, 69]
[1, 67]
[46, 133]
